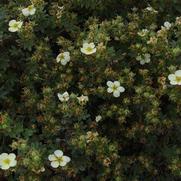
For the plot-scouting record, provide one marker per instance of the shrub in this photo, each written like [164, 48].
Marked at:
[98, 80]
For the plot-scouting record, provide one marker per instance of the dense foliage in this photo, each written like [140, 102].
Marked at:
[131, 137]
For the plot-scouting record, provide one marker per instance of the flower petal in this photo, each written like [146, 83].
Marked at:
[147, 60]
[55, 164]
[88, 52]
[121, 89]
[60, 97]
[63, 62]
[82, 50]
[66, 159]
[171, 77]
[116, 93]
[12, 29]
[178, 73]
[147, 56]
[109, 83]
[20, 24]
[58, 59]
[94, 50]
[109, 90]
[85, 45]
[12, 156]
[3, 156]
[11, 23]
[173, 82]
[5, 166]
[67, 54]
[62, 163]
[58, 153]
[142, 62]
[92, 45]
[25, 12]
[66, 96]
[32, 10]
[117, 83]
[52, 157]
[13, 163]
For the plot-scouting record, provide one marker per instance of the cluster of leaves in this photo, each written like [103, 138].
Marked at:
[138, 136]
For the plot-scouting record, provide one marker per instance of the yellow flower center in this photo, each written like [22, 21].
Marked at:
[89, 49]
[59, 159]
[15, 25]
[6, 161]
[178, 78]
[114, 87]
[62, 56]
[30, 8]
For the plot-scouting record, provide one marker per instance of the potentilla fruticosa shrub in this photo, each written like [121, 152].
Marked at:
[90, 91]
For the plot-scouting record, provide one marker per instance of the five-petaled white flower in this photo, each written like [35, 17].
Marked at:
[98, 118]
[30, 10]
[88, 48]
[145, 58]
[15, 25]
[58, 159]
[63, 97]
[167, 25]
[151, 9]
[175, 79]
[63, 58]
[7, 160]
[83, 99]
[115, 88]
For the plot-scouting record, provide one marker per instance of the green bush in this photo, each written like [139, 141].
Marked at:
[129, 131]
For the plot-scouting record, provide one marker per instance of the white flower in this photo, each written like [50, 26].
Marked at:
[88, 48]
[63, 97]
[15, 25]
[143, 32]
[151, 9]
[7, 160]
[167, 25]
[98, 118]
[145, 58]
[115, 88]
[63, 58]
[83, 99]
[58, 159]
[175, 79]
[30, 10]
